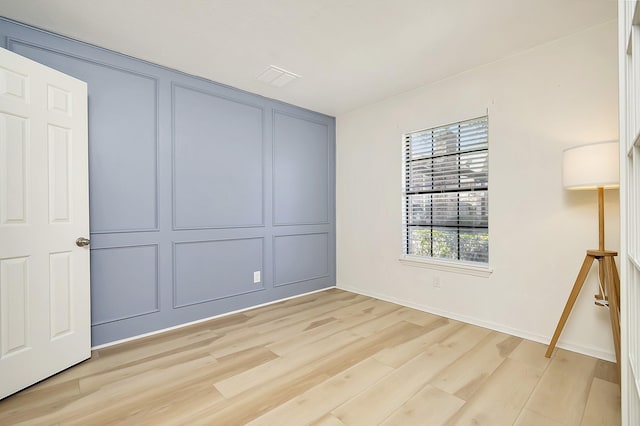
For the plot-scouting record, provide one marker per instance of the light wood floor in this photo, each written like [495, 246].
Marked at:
[330, 358]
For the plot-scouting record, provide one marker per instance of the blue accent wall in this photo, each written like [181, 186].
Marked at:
[194, 186]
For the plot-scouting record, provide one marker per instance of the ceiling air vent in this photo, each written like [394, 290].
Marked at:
[277, 77]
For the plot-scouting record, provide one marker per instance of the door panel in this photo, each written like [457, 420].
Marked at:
[14, 284]
[60, 287]
[44, 207]
[13, 162]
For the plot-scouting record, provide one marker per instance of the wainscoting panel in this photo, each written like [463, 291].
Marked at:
[218, 153]
[209, 270]
[299, 258]
[194, 186]
[124, 283]
[300, 170]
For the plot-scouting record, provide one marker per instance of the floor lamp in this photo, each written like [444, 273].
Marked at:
[594, 166]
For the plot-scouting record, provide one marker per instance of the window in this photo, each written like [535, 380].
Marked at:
[445, 192]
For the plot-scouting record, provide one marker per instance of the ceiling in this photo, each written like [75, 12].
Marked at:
[349, 53]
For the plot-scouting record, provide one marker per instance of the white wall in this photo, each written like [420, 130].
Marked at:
[539, 102]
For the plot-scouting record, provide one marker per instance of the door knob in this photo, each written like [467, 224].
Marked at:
[82, 242]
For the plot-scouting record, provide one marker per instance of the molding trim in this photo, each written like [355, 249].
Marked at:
[274, 139]
[174, 279]
[156, 246]
[263, 112]
[570, 346]
[274, 254]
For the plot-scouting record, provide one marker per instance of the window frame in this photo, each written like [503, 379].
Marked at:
[478, 268]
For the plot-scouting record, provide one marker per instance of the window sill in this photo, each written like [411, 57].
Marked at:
[443, 265]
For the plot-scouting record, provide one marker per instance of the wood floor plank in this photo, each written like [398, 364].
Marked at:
[434, 332]
[313, 313]
[345, 357]
[183, 394]
[310, 335]
[368, 306]
[603, 399]
[37, 401]
[381, 307]
[137, 352]
[531, 353]
[377, 403]
[467, 374]
[331, 358]
[417, 317]
[156, 346]
[376, 323]
[278, 330]
[562, 392]
[328, 420]
[258, 375]
[501, 398]
[276, 311]
[97, 380]
[116, 397]
[258, 400]
[277, 315]
[430, 406]
[531, 418]
[255, 401]
[606, 370]
[167, 408]
[316, 402]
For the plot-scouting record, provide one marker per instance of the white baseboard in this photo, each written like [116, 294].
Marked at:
[175, 327]
[585, 350]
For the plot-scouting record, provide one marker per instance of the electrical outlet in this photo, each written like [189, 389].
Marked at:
[436, 282]
[256, 277]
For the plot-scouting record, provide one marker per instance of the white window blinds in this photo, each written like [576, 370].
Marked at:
[445, 192]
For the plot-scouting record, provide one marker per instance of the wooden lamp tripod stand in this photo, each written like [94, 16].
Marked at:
[587, 167]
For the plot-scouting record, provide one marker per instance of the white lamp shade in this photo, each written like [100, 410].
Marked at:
[591, 166]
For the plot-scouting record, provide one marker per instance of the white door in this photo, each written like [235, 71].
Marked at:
[629, 68]
[44, 208]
